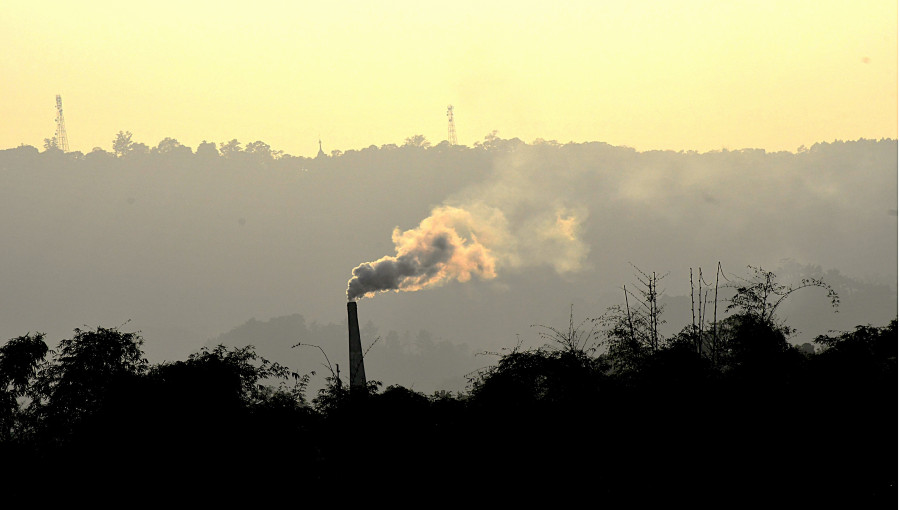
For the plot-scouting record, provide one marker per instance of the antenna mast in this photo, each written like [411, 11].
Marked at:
[62, 140]
[451, 128]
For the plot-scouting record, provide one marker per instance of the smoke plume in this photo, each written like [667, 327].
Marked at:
[470, 237]
[448, 245]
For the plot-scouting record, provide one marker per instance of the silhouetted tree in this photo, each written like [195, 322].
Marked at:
[545, 143]
[562, 372]
[632, 332]
[171, 146]
[751, 345]
[262, 151]
[851, 404]
[122, 143]
[626, 340]
[83, 372]
[230, 149]
[138, 149]
[98, 155]
[863, 358]
[242, 373]
[491, 141]
[754, 339]
[19, 361]
[417, 141]
[761, 294]
[217, 393]
[207, 150]
[334, 398]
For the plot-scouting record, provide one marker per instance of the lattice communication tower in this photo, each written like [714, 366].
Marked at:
[62, 140]
[451, 128]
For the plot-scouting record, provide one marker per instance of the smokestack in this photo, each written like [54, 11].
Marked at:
[357, 369]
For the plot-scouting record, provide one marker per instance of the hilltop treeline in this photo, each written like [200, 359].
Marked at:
[724, 411]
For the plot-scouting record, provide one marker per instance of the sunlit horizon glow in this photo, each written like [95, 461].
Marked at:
[690, 75]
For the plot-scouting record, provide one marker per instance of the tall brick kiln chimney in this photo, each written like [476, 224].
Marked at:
[357, 369]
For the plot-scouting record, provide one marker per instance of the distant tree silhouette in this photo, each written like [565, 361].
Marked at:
[491, 141]
[207, 150]
[122, 143]
[417, 141]
[98, 156]
[547, 143]
[171, 146]
[230, 149]
[138, 149]
[262, 151]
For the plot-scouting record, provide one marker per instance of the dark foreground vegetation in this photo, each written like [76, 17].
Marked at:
[606, 412]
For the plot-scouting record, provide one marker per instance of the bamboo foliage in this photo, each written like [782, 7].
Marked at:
[704, 332]
[648, 310]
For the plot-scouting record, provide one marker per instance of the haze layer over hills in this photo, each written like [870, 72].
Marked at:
[188, 246]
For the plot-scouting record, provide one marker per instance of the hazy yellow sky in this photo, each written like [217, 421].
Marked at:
[686, 74]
